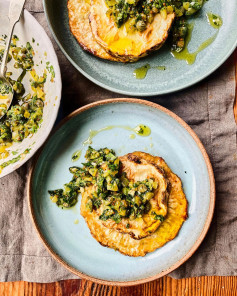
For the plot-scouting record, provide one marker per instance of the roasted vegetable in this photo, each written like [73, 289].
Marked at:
[126, 43]
[168, 230]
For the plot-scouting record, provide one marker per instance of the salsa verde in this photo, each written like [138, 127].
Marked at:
[119, 196]
[26, 112]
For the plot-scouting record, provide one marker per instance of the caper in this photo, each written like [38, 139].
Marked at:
[150, 18]
[16, 65]
[141, 26]
[18, 87]
[39, 103]
[180, 43]
[27, 65]
[182, 31]
[24, 50]
[143, 16]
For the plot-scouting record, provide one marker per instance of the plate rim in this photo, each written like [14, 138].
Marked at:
[133, 93]
[210, 210]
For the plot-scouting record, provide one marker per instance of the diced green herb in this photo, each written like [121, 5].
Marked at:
[158, 217]
[119, 197]
[26, 112]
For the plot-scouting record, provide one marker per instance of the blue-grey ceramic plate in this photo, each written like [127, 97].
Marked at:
[119, 78]
[72, 244]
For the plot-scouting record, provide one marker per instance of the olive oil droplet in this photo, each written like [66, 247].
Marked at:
[142, 130]
[214, 20]
[161, 68]
[76, 155]
[140, 73]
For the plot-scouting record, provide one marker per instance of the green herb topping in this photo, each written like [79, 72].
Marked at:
[119, 196]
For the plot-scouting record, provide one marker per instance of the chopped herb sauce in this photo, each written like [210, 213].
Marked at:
[119, 197]
[14, 160]
[26, 111]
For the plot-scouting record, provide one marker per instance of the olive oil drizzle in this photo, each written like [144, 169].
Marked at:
[141, 130]
[188, 56]
[141, 72]
[214, 20]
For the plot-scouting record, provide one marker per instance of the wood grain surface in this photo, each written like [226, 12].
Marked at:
[200, 286]
[166, 286]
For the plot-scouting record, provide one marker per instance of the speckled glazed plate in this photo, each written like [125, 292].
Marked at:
[27, 29]
[178, 75]
[171, 138]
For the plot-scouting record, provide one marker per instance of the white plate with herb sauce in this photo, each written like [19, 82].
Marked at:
[34, 72]
[162, 73]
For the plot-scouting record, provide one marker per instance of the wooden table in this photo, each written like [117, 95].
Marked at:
[166, 286]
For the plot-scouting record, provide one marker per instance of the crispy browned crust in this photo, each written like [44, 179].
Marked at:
[105, 32]
[132, 59]
[168, 230]
[78, 12]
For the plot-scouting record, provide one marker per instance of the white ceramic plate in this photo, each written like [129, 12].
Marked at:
[27, 29]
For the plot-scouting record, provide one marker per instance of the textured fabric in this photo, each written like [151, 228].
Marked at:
[206, 107]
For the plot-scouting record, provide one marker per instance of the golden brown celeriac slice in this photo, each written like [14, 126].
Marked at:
[78, 12]
[122, 43]
[168, 230]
